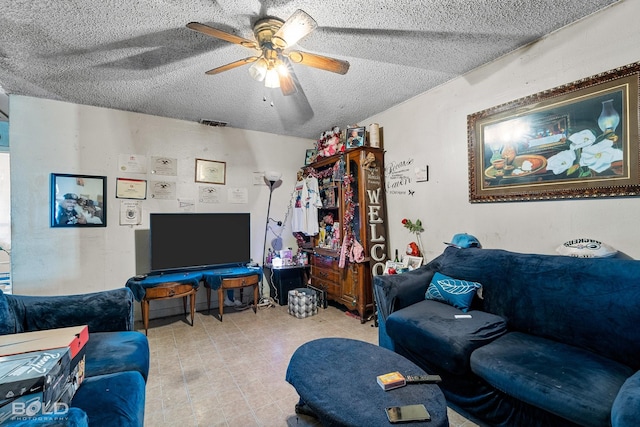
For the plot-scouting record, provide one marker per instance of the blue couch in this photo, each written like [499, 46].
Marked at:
[117, 357]
[554, 340]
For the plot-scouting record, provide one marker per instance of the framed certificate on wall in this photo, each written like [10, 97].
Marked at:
[210, 171]
[131, 188]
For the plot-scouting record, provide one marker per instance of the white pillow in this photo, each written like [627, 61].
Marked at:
[586, 248]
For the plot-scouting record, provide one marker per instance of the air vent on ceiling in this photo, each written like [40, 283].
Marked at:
[214, 123]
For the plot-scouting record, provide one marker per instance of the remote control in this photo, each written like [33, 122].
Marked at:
[423, 379]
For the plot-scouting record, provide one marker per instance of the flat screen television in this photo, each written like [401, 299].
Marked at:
[199, 240]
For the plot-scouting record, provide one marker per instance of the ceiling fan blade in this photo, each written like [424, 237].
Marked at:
[233, 65]
[319, 61]
[222, 35]
[299, 24]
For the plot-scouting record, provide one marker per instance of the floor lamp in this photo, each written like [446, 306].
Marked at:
[272, 178]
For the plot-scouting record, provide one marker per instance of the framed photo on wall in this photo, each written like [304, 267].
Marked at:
[78, 200]
[211, 171]
[355, 137]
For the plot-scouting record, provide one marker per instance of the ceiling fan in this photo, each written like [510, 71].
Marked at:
[274, 39]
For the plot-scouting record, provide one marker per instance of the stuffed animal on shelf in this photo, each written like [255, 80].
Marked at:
[331, 146]
[330, 143]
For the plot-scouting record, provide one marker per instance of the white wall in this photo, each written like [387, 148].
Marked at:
[56, 137]
[431, 129]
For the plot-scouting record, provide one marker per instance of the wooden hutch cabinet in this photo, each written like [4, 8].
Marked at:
[351, 187]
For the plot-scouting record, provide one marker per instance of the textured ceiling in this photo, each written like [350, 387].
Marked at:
[137, 55]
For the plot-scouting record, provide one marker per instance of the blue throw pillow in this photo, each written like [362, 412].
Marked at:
[458, 293]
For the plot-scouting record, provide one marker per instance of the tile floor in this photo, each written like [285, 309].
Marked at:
[232, 373]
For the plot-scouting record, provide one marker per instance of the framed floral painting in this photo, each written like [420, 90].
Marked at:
[579, 140]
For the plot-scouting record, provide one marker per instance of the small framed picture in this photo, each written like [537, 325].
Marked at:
[310, 156]
[412, 262]
[355, 137]
[78, 200]
[392, 267]
[211, 171]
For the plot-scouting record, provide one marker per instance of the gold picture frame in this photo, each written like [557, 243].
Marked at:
[579, 140]
[211, 171]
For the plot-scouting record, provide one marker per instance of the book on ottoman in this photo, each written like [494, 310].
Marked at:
[391, 380]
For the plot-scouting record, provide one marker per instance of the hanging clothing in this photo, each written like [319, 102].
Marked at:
[305, 202]
[298, 207]
[313, 204]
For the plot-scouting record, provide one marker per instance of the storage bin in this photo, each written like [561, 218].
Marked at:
[302, 303]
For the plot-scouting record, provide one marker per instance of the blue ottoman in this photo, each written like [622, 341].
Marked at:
[336, 381]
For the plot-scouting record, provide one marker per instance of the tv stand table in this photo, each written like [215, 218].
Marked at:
[213, 280]
[170, 285]
[165, 286]
[169, 290]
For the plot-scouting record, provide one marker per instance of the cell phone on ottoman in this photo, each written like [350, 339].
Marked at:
[407, 413]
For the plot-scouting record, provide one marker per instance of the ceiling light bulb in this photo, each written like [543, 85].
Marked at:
[272, 80]
[258, 70]
[282, 69]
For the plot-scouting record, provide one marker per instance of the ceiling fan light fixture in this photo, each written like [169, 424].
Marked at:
[295, 56]
[272, 80]
[258, 71]
[274, 39]
[295, 28]
[282, 68]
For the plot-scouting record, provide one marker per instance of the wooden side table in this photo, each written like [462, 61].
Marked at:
[168, 290]
[234, 283]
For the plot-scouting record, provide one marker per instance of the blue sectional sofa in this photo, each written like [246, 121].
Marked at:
[550, 341]
[117, 357]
